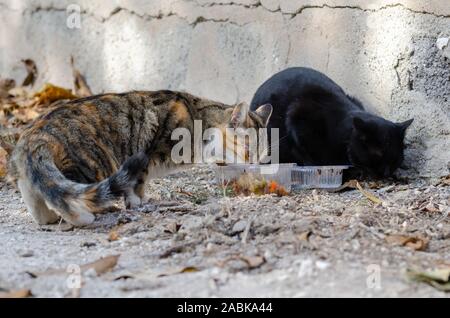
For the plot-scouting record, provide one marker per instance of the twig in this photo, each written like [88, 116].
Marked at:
[178, 248]
[247, 230]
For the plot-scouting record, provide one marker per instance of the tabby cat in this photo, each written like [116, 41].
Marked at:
[78, 159]
[319, 124]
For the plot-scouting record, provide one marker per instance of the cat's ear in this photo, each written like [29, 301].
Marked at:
[362, 128]
[239, 114]
[264, 111]
[405, 124]
[359, 124]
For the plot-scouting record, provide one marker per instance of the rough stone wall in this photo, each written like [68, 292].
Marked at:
[382, 51]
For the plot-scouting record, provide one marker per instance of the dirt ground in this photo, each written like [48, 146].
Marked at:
[192, 241]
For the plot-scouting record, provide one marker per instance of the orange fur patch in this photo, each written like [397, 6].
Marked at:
[180, 111]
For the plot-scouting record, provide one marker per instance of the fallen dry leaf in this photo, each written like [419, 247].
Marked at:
[3, 162]
[25, 115]
[32, 72]
[349, 185]
[6, 84]
[354, 184]
[51, 93]
[253, 261]
[375, 185]
[445, 181]
[416, 243]
[101, 266]
[438, 278]
[304, 236]
[21, 293]
[368, 194]
[432, 208]
[172, 228]
[188, 269]
[113, 236]
[81, 87]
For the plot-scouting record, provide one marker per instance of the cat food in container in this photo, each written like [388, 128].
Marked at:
[264, 179]
[317, 177]
[254, 178]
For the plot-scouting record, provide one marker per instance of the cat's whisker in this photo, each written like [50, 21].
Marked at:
[278, 143]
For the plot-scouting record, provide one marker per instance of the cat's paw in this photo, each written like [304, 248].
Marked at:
[132, 201]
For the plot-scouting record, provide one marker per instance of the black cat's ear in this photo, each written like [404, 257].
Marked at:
[239, 114]
[405, 124]
[264, 111]
[359, 124]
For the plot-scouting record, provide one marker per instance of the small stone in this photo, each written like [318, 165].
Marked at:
[444, 46]
[322, 265]
[239, 227]
[26, 254]
[88, 244]
[442, 43]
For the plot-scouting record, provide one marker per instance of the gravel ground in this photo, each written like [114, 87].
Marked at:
[192, 241]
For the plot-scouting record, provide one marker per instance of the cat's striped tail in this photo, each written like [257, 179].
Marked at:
[45, 187]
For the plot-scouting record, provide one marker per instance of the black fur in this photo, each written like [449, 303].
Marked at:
[319, 124]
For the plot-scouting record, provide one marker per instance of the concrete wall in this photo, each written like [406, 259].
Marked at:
[382, 51]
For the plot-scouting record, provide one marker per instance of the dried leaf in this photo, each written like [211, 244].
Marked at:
[18, 93]
[3, 162]
[21, 293]
[354, 184]
[368, 194]
[172, 228]
[349, 185]
[102, 265]
[438, 278]
[415, 243]
[51, 93]
[304, 236]
[253, 261]
[5, 85]
[188, 269]
[445, 181]
[25, 115]
[432, 208]
[32, 72]
[80, 85]
[113, 236]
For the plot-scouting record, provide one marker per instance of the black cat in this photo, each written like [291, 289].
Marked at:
[319, 124]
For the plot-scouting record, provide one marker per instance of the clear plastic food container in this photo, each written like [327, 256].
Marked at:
[280, 173]
[289, 176]
[317, 177]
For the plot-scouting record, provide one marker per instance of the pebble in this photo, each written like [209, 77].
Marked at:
[239, 227]
[27, 254]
